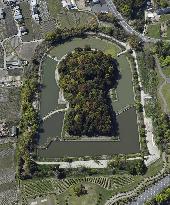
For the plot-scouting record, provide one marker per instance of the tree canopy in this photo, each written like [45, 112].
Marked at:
[86, 76]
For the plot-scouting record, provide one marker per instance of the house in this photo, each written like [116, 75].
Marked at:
[69, 4]
[163, 11]
[18, 17]
[36, 17]
[23, 30]
[33, 3]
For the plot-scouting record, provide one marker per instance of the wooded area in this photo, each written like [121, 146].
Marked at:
[86, 76]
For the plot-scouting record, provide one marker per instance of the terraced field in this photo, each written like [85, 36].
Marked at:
[31, 189]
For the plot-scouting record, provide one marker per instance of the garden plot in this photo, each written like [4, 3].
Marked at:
[34, 29]
[10, 110]
[8, 187]
[48, 23]
[26, 50]
[11, 27]
[31, 189]
[67, 18]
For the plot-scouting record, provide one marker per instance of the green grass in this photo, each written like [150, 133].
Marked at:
[68, 19]
[166, 93]
[165, 17]
[154, 168]
[166, 71]
[154, 30]
[62, 191]
[25, 7]
[112, 50]
[90, 198]
[54, 7]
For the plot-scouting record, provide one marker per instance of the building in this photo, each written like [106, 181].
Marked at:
[69, 4]
[33, 3]
[23, 31]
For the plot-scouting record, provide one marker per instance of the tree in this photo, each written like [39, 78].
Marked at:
[86, 77]
[134, 42]
[50, 36]
[79, 190]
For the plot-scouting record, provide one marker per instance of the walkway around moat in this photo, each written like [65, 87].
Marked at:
[154, 153]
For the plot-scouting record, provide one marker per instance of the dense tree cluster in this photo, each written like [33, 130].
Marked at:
[61, 35]
[86, 76]
[115, 30]
[130, 8]
[134, 167]
[28, 124]
[162, 49]
[108, 17]
[160, 199]
[150, 81]
[160, 123]
[148, 74]
[135, 42]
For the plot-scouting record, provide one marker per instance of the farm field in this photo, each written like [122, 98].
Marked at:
[99, 188]
[34, 30]
[166, 71]
[10, 108]
[8, 184]
[68, 19]
[62, 189]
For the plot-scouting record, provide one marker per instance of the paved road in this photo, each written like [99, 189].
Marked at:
[152, 191]
[126, 26]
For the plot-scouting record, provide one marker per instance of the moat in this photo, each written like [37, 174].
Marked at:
[52, 127]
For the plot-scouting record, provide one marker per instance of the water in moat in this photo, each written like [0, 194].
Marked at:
[52, 127]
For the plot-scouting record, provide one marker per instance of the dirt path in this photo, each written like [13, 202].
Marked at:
[165, 105]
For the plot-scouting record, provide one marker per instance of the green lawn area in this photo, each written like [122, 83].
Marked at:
[166, 71]
[154, 30]
[154, 168]
[166, 93]
[165, 17]
[90, 198]
[55, 7]
[34, 30]
[68, 18]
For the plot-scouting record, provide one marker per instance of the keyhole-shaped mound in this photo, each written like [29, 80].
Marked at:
[86, 76]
